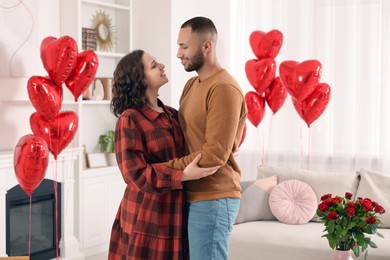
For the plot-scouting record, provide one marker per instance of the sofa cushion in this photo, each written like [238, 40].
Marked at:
[321, 182]
[376, 186]
[254, 201]
[293, 202]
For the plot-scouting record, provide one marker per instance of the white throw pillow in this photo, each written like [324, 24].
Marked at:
[376, 186]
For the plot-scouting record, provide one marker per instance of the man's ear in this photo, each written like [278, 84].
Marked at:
[207, 46]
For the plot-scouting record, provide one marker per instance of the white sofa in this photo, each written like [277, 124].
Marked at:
[259, 235]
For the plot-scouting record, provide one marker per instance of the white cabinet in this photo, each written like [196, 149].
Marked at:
[100, 197]
[99, 189]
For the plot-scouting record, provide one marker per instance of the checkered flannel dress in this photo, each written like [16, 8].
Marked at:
[150, 223]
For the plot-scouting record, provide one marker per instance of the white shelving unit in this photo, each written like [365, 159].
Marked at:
[99, 190]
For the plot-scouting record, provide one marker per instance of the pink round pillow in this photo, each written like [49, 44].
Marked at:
[293, 202]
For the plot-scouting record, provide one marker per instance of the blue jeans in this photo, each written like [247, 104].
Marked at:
[210, 223]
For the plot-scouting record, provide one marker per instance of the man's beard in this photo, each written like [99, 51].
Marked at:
[196, 62]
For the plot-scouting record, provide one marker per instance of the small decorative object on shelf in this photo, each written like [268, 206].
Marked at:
[87, 94]
[89, 39]
[98, 91]
[350, 224]
[96, 160]
[104, 30]
[107, 87]
[106, 143]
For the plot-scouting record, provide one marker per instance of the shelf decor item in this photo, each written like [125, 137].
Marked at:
[107, 86]
[96, 160]
[106, 143]
[105, 32]
[350, 224]
[89, 39]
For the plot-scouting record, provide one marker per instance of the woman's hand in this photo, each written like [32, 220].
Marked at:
[194, 172]
[236, 152]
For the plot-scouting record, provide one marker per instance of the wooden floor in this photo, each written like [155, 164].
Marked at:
[102, 256]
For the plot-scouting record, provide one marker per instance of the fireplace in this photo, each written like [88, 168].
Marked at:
[43, 239]
[62, 171]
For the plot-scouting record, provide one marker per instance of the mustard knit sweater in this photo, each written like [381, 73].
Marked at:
[212, 116]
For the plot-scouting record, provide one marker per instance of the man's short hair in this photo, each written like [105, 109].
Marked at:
[201, 25]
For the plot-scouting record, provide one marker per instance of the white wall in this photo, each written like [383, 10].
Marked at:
[22, 30]
[217, 10]
[154, 29]
[151, 32]
[309, 32]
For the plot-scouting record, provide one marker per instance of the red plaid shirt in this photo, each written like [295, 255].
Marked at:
[153, 202]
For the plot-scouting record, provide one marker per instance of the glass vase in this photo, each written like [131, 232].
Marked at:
[342, 255]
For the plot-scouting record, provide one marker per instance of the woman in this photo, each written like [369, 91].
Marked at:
[150, 223]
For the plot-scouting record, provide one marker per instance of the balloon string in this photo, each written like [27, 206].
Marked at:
[258, 137]
[308, 150]
[300, 135]
[262, 147]
[56, 203]
[269, 133]
[28, 35]
[29, 227]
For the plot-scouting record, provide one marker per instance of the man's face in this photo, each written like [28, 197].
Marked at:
[190, 50]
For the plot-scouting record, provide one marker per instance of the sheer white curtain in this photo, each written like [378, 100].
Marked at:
[351, 39]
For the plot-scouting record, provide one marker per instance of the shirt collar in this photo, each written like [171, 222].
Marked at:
[151, 114]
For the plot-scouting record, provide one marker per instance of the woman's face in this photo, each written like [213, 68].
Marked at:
[154, 72]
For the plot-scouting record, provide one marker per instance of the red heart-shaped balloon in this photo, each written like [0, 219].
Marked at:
[31, 158]
[256, 107]
[266, 45]
[300, 79]
[84, 73]
[275, 95]
[59, 57]
[45, 96]
[58, 133]
[314, 105]
[260, 73]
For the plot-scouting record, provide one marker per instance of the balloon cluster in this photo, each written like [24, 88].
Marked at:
[260, 73]
[52, 128]
[300, 80]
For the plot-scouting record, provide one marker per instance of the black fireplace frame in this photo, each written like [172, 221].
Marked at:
[45, 191]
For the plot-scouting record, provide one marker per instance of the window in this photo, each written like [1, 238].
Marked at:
[350, 38]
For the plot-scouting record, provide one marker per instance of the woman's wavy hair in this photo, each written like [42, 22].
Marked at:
[129, 88]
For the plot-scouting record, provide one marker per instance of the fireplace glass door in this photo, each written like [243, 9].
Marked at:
[42, 232]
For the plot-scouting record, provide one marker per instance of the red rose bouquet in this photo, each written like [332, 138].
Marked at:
[350, 224]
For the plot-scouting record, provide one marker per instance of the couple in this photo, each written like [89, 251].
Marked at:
[183, 182]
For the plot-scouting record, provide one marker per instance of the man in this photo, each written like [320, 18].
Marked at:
[212, 116]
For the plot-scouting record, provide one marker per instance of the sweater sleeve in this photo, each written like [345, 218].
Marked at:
[131, 160]
[224, 111]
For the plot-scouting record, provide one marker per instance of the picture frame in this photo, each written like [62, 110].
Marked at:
[96, 160]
